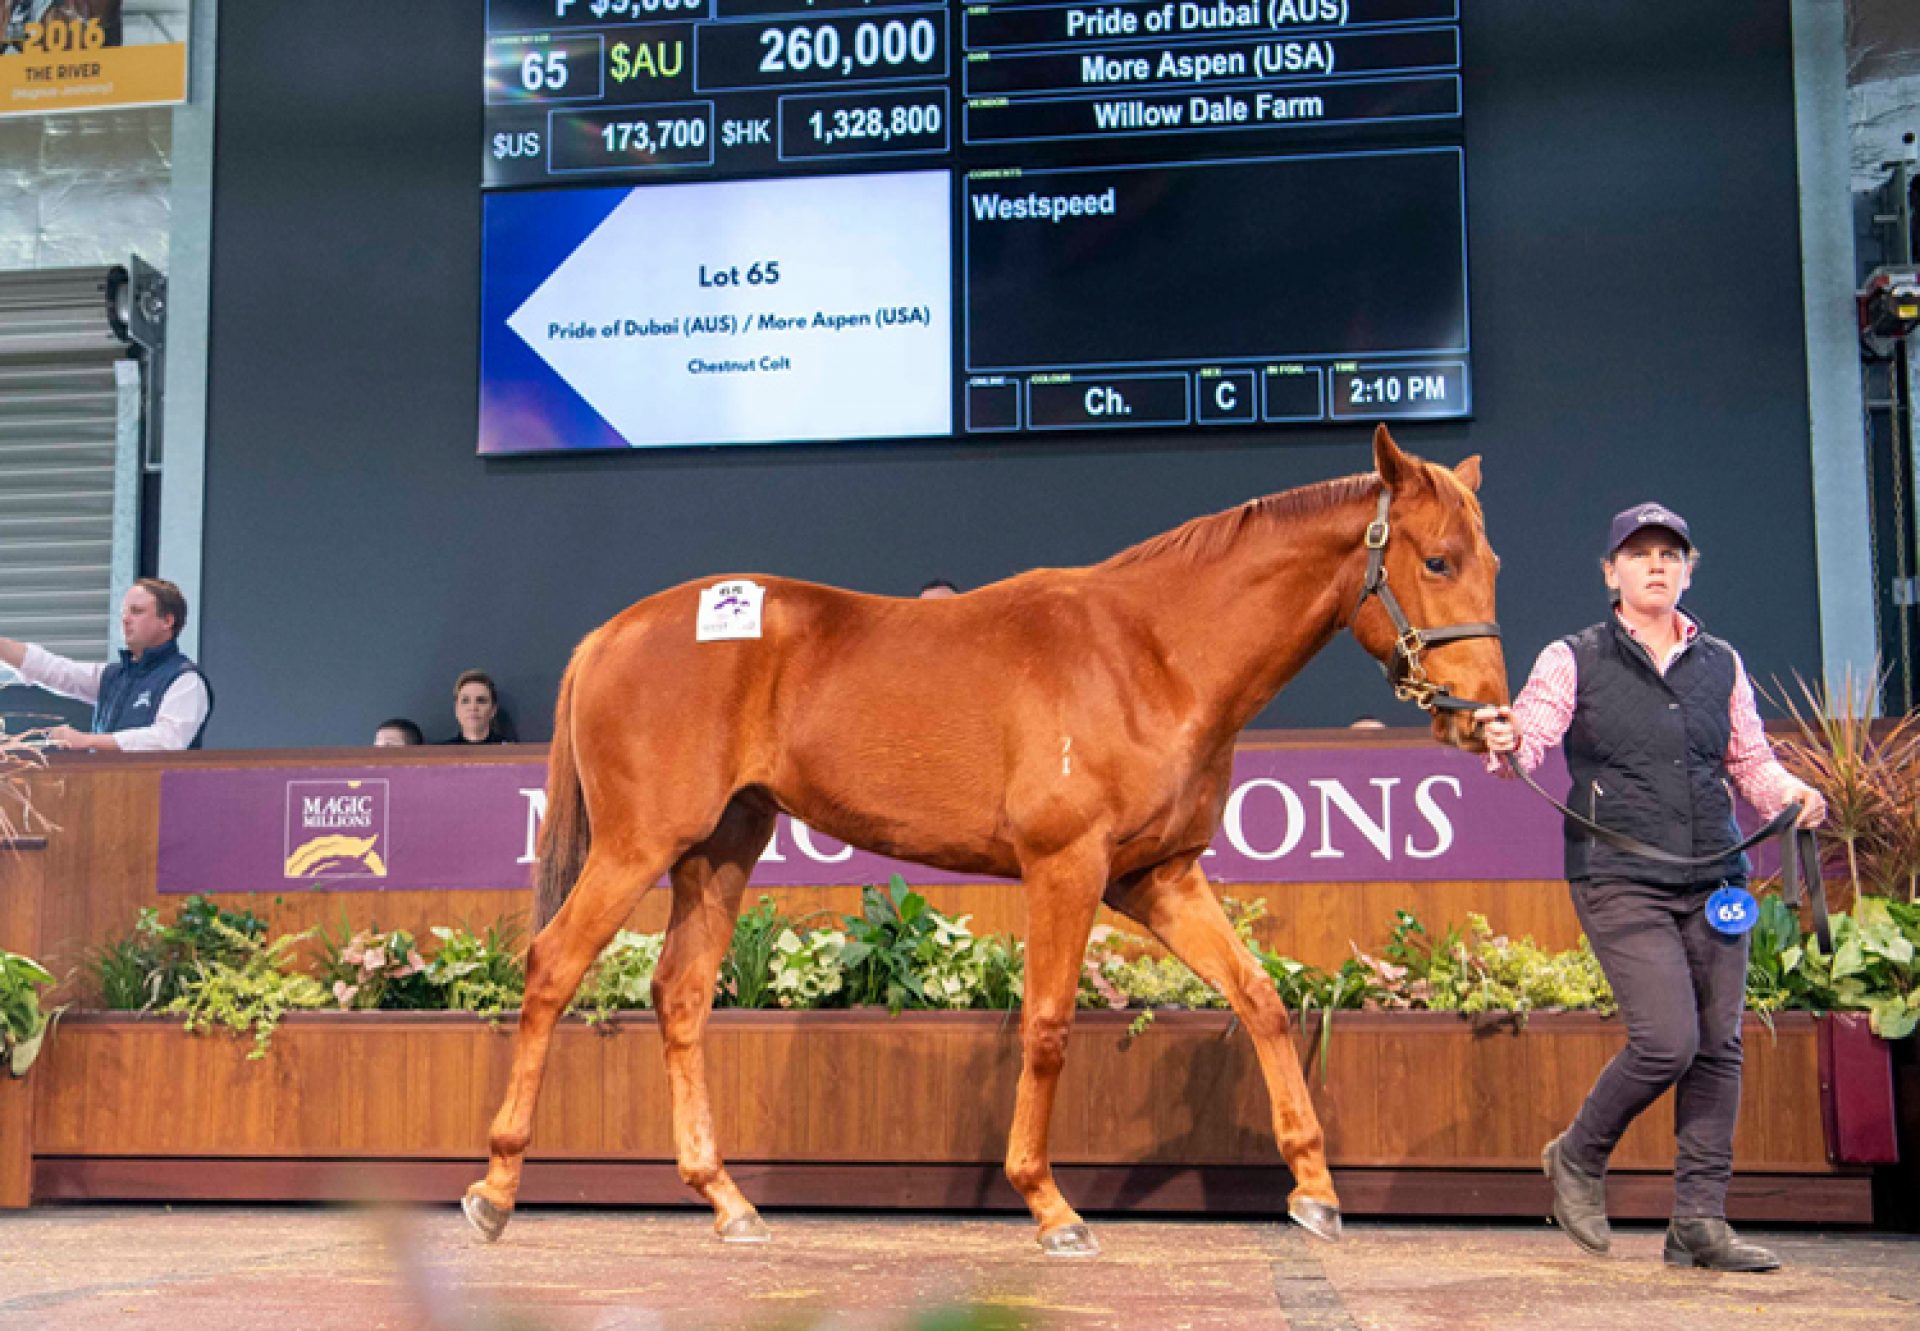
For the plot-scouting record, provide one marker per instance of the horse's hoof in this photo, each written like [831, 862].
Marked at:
[748, 1228]
[1074, 1240]
[484, 1216]
[1317, 1218]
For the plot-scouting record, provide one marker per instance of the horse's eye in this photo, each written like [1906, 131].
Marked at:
[1437, 565]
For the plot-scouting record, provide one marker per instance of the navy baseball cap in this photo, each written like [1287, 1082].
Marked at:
[1625, 524]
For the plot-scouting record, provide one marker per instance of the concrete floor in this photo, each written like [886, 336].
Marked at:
[311, 1269]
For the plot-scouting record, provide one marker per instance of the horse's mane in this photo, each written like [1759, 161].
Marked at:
[1199, 540]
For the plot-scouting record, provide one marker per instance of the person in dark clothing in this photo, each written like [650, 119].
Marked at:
[1658, 718]
[397, 733]
[153, 698]
[476, 708]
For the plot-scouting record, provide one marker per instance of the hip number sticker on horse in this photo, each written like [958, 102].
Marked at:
[729, 610]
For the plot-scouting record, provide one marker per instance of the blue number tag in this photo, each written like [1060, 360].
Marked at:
[1732, 910]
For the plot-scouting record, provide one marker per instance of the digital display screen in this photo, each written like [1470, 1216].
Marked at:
[766, 221]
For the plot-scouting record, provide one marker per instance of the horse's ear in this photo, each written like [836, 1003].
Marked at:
[1395, 467]
[1469, 473]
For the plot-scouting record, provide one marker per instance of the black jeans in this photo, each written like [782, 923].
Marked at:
[1681, 986]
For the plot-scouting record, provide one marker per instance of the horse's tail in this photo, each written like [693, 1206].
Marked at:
[566, 834]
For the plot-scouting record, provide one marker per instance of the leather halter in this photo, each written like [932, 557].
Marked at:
[1404, 668]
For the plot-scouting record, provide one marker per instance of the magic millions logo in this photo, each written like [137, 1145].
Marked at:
[336, 829]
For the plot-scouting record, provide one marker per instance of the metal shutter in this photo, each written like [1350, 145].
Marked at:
[69, 445]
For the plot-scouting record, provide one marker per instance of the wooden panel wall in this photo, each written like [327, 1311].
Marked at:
[1401, 1090]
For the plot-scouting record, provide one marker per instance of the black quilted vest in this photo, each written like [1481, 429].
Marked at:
[130, 690]
[1648, 755]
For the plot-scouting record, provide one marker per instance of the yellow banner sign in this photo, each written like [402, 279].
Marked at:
[78, 55]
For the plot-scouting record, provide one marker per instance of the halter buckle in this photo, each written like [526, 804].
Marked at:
[1421, 692]
[1376, 537]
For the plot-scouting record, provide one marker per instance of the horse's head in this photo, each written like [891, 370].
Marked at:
[1426, 609]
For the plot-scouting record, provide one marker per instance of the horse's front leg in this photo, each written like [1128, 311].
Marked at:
[1178, 905]
[1063, 892]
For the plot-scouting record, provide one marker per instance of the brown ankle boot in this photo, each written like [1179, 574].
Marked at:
[1713, 1244]
[1579, 1200]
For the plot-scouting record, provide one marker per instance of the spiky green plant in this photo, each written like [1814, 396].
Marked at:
[1867, 779]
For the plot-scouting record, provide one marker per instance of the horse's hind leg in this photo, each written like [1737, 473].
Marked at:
[601, 901]
[707, 885]
[1175, 902]
[1063, 891]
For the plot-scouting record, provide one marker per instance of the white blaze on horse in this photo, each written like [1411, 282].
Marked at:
[1073, 728]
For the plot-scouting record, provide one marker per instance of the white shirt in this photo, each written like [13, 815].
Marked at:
[175, 722]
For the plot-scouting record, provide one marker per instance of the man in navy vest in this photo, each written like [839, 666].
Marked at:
[152, 698]
[1660, 726]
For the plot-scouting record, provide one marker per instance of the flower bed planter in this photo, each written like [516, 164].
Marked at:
[1425, 1113]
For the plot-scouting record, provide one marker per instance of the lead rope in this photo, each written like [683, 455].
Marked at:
[1800, 877]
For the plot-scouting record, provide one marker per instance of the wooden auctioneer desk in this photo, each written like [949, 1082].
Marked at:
[1425, 1112]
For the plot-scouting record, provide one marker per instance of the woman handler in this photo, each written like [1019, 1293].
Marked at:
[1657, 717]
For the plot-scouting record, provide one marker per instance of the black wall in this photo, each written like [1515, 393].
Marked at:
[1636, 323]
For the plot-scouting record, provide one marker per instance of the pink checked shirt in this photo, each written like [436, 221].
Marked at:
[1544, 710]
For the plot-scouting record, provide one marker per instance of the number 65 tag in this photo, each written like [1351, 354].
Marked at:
[1732, 910]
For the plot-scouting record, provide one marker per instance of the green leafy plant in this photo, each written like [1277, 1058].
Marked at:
[621, 977]
[959, 970]
[146, 969]
[127, 972]
[1882, 956]
[372, 969]
[249, 992]
[899, 953]
[1300, 986]
[23, 1023]
[1871, 968]
[1001, 977]
[1484, 972]
[215, 967]
[886, 945]
[746, 973]
[808, 972]
[202, 930]
[1412, 949]
[478, 972]
[1123, 970]
[1776, 979]
[1315, 995]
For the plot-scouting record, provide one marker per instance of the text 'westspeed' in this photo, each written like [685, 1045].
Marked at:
[1044, 207]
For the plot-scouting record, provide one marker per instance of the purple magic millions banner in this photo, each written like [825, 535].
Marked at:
[1294, 815]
